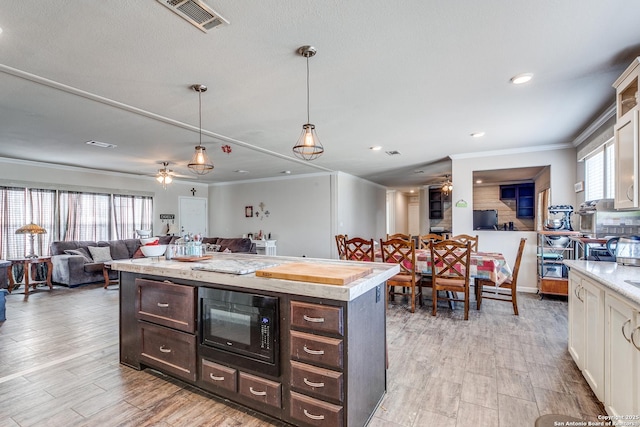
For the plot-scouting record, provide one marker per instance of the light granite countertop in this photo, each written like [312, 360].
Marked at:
[193, 271]
[611, 275]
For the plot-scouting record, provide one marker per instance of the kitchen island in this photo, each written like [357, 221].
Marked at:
[313, 354]
[604, 332]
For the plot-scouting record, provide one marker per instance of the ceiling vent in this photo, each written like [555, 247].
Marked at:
[196, 12]
[393, 153]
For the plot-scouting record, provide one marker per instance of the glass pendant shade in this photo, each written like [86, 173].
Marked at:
[447, 187]
[308, 146]
[200, 162]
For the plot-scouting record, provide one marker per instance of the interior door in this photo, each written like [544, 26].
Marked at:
[193, 215]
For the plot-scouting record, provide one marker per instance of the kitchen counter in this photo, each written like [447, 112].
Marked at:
[611, 275]
[185, 270]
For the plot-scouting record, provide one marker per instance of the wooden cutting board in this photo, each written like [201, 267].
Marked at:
[315, 273]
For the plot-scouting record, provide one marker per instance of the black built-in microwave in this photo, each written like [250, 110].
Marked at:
[239, 329]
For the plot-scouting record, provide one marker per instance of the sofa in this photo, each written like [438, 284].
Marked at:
[77, 262]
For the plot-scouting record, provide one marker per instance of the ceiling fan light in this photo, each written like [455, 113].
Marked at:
[160, 178]
[168, 179]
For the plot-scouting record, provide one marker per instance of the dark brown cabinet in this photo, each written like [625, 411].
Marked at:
[332, 371]
[524, 196]
[436, 203]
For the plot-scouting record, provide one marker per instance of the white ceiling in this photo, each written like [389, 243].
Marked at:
[413, 76]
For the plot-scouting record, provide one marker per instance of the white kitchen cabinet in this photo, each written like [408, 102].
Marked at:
[622, 357]
[627, 140]
[586, 330]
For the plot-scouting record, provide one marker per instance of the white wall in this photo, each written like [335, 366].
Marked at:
[63, 177]
[563, 172]
[305, 212]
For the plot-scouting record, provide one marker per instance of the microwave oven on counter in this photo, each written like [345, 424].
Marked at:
[240, 329]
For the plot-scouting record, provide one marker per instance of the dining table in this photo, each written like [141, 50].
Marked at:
[483, 265]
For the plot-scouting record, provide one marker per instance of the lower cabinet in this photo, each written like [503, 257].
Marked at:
[604, 341]
[332, 373]
[622, 357]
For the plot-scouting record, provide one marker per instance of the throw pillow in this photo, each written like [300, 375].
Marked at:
[80, 251]
[100, 253]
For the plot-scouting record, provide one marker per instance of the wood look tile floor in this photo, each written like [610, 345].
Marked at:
[59, 367]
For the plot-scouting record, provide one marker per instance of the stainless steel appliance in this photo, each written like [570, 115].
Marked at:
[598, 219]
[240, 329]
[625, 249]
[562, 223]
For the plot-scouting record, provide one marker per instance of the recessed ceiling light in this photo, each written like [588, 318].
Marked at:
[477, 134]
[376, 148]
[411, 191]
[521, 78]
[479, 181]
[241, 171]
[286, 172]
[101, 144]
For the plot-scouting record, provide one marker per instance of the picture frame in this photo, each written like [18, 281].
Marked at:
[578, 186]
[248, 211]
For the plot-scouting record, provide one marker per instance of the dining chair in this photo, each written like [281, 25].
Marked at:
[358, 249]
[450, 265]
[426, 238]
[399, 236]
[464, 238]
[403, 253]
[340, 242]
[506, 291]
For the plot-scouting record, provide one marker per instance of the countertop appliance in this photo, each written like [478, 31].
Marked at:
[562, 223]
[627, 250]
[593, 216]
[240, 328]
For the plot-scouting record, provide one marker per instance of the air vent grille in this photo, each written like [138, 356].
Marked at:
[196, 12]
[393, 153]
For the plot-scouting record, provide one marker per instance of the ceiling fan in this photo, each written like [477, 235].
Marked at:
[165, 176]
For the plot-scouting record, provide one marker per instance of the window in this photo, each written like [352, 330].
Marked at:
[599, 173]
[68, 215]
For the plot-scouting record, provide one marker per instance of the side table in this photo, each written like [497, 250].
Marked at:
[28, 279]
[106, 267]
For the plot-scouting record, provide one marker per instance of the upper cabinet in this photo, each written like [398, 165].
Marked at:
[627, 141]
[523, 194]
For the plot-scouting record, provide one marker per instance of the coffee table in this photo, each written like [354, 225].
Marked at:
[28, 279]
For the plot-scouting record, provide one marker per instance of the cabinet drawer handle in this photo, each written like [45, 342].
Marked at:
[256, 392]
[163, 305]
[623, 334]
[165, 350]
[311, 384]
[313, 417]
[313, 319]
[167, 281]
[213, 377]
[633, 341]
[315, 352]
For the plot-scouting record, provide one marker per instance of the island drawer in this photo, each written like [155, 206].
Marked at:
[166, 304]
[260, 389]
[316, 317]
[315, 412]
[321, 382]
[219, 375]
[170, 350]
[316, 349]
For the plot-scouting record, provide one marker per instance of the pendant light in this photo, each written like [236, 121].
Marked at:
[447, 187]
[200, 163]
[164, 175]
[308, 146]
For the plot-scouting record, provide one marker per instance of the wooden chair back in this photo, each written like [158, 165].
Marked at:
[464, 238]
[450, 268]
[486, 289]
[358, 249]
[403, 253]
[341, 243]
[426, 238]
[399, 236]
